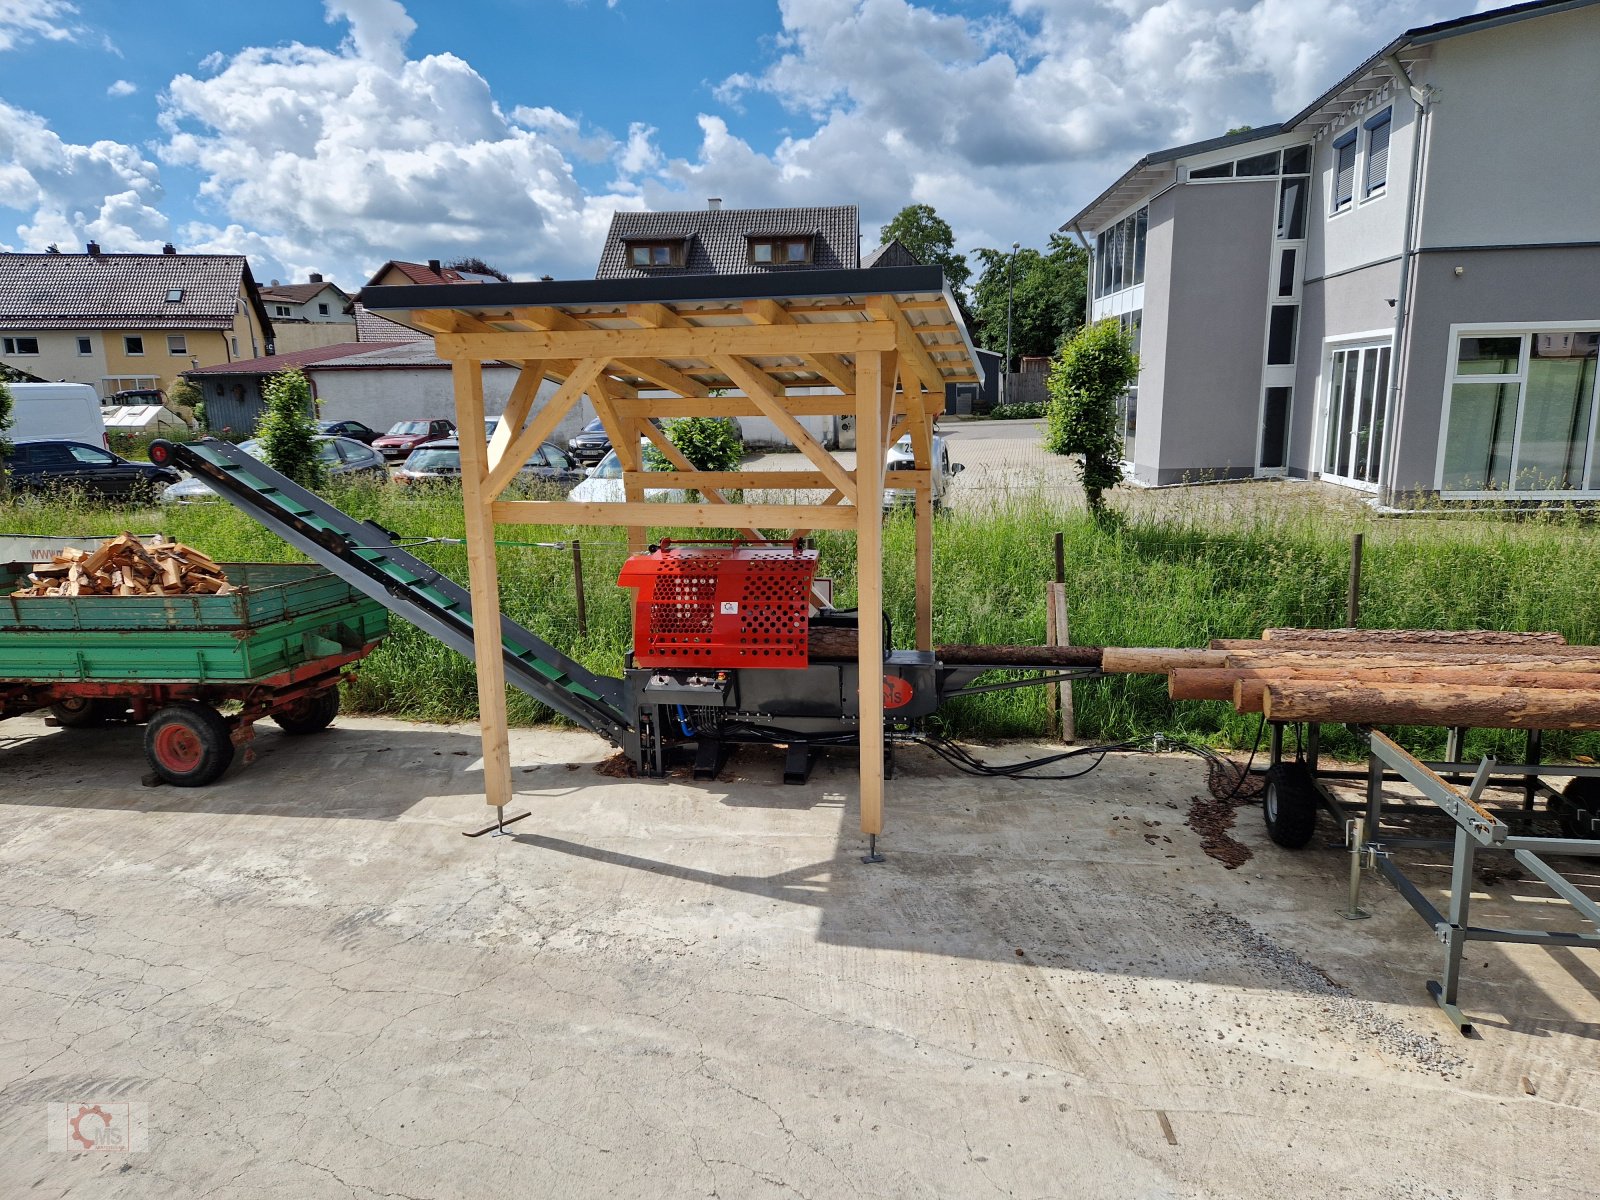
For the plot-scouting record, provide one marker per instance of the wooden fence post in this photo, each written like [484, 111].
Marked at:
[577, 587]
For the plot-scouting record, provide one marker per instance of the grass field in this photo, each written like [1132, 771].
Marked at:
[1193, 572]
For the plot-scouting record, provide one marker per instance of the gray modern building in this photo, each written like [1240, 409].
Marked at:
[1396, 289]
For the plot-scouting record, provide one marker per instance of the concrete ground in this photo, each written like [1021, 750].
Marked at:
[306, 983]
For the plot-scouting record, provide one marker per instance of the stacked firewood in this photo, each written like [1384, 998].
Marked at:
[125, 566]
[1475, 678]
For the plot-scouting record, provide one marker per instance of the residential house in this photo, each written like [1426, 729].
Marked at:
[396, 273]
[125, 321]
[308, 315]
[1392, 290]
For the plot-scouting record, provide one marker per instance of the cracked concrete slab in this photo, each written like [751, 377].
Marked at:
[315, 987]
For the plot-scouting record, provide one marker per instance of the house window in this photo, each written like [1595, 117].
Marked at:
[1344, 170]
[20, 345]
[1275, 428]
[1358, 406]
[175, 296]
[133, 344]
[1292, 208]
[1220, 171]
[322, 310]
[1377, 152]
[1286, 272]
[777, 252]
[280, 310]
[1119, 254]
[1297, 160]
[177, 343]
[235, 343]
[1521, 413]
[1280, 334]
[655, 254]
[85, 347]
[1260, 164]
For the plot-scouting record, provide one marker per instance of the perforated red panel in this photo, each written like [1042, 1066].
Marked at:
[720, 605]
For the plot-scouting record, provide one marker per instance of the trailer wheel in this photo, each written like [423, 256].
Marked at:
[1580, 815]
[79, 712]
[1290, 805]
[310, 715]
[188, 744]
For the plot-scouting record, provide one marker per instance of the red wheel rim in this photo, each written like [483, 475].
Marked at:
[178, 748]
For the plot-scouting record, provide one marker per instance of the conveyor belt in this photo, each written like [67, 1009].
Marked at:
[364, 555]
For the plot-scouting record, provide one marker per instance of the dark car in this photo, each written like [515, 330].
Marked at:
[39, 466]
[349, 429]
[592, 444]
[405, 436]
[441, 461]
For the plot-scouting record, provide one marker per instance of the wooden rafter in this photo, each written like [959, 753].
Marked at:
[830, 366]
[768, 397]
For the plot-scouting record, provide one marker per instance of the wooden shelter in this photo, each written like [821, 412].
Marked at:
[877, 345]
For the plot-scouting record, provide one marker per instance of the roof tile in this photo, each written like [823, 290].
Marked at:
[716, 239]
[115, 291]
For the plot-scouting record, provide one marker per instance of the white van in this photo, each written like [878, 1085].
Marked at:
[69, 411]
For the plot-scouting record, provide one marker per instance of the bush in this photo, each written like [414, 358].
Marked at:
[188, 400]
[1086, 380]
[288, 431]
[1016, 412]
[710, 443]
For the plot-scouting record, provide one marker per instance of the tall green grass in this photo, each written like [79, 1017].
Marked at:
[1183, 568]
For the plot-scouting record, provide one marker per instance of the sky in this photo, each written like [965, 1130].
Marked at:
[332, 135]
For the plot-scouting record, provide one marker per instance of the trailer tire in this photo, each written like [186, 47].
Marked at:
[83, 713]
[1289, 805]
[188, 744]
[1578, 817]
[310, 715]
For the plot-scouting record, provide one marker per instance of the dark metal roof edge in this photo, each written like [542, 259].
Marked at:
[854, 281]
[1172, 154]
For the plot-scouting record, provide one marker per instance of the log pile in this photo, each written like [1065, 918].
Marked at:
[124, 566]
[1475, 678]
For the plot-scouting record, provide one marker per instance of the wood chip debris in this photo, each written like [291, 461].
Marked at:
[125, 566]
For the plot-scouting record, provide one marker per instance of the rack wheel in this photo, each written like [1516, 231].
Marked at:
[188, 744]
[1290, 805]
[83, 713]
[1580, 815]
[310, 715]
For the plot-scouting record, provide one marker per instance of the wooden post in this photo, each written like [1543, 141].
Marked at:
[1061, 694]
[874, 373]
[1352, 605]
[1061, 558]
[484, 582]
[577, 587]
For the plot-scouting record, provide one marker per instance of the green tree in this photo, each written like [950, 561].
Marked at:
[929, 237]
[1086, 380]
[1048, 292]
[288, 431]
[189, 400]
[709, 443]
[478, 267]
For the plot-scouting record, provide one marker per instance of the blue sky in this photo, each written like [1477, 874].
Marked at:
[332, 134]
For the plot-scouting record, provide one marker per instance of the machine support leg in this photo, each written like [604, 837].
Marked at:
[1275, 743]
[1454, 747]
[1313, 746]
[1361, 832]
[1530, 787]
[1454, 935]
[872, 855]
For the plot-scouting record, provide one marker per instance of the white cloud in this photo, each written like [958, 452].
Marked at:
[122, 87]
[24, 20]
[105, 191]
[342, 159]
[1009, 123]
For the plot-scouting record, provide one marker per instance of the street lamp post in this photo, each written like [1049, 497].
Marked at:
[1005, 376]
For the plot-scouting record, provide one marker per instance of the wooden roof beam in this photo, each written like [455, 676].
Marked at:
[830, 366]
[663, 376]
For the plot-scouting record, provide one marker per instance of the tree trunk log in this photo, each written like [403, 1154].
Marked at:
[1219, 683]
[1554, 658]
[1442, 637]
[831, 643]
[1156, 661]
[1456, 649]
[1430, 704]
[1249, 695]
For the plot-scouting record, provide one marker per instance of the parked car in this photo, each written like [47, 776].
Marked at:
[354, 430]
[604, 482]
[42, 464]
[405, 436]
[441, 461]
[591, 444]
[342, 458]
[903, 458]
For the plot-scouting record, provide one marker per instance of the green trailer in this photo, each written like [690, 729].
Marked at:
[277, 647]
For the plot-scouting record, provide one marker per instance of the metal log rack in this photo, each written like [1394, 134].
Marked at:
[1478, 826]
